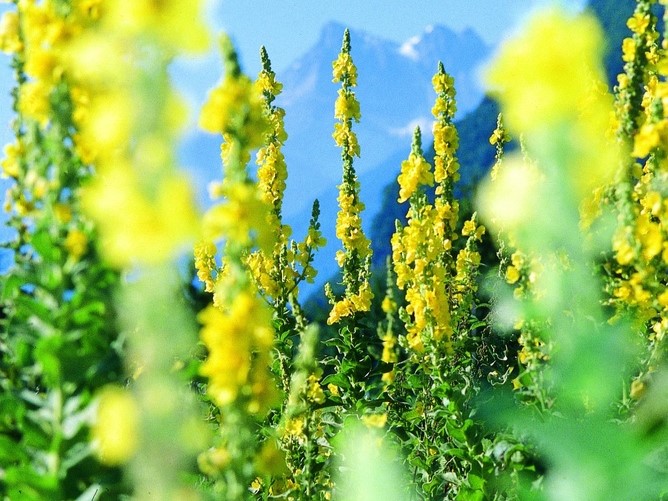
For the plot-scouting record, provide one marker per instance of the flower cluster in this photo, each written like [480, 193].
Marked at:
[417, 251]
[232, 337]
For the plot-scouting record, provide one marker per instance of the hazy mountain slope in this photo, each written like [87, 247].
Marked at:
[612, 14]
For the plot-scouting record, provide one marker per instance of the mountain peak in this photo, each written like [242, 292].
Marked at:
[444, 43]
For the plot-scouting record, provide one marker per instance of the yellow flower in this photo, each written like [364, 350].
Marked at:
[469, 228]
[415, 172]
[266, 82]
[638, 23]
[346, 106]
[646, 140]
[76, 243]
[34, 101]
[231, 336]
[241, 218]
[10, 163]
[10, 42]
[115, 428]
[442, 83]
[375, 420]
[512, 275]
[388, 305]
[205, 263]
[314, 391]
[624, 252]
[346, 138]
[42, 64]
[344, 68]
[543, 74]
[295, 426]
[235, 106]
[628, 49]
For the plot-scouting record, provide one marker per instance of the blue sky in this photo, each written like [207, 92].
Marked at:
[288, 28]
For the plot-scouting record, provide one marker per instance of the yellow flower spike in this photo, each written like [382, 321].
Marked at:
[344, 69]
[235, 106]
[355, 256]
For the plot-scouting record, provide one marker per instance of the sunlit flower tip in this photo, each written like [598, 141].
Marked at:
[115, 429]
[442, 82]
[510, 200]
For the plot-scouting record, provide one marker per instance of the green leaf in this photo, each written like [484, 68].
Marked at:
[42, 242]
[10, 287]
[90, 311]
[476, 482]
[337, 379]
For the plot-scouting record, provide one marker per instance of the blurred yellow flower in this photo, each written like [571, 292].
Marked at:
[9, 33]
[116, 426]
[543, 74]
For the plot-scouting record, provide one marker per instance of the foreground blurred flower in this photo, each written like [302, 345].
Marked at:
[115, 428]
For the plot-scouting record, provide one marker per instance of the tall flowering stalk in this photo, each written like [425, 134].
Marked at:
[520, 270]
[127, 120]
[639, 264]
[588, 354]
[279, 272]
[58, 344]
[237, 329]
[355, 257]
[439, 286]
[415, 252]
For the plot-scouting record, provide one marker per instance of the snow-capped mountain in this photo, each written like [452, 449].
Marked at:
[394, 89]
[395, 92]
